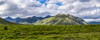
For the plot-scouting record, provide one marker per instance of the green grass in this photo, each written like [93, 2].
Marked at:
[49, 32]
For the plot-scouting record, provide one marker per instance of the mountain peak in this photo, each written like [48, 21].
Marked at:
[8, 18]
[61, 19]
[64, 15]
[47, 16]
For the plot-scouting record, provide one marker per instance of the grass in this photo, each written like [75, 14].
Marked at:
[49, 32]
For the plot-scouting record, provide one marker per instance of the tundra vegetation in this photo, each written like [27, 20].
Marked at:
[49, 32]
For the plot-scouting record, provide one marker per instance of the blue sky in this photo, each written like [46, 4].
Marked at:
[43, 2]
[89, 10]
[59, 4]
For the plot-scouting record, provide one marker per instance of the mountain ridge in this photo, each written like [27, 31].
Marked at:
[61, 19]
[28, 20]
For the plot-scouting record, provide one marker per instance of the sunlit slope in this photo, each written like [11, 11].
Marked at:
[61, 19]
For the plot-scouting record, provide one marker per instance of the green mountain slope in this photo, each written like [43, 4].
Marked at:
[4, 22]
[61, 19]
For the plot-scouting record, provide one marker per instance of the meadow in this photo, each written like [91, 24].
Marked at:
[49, 32]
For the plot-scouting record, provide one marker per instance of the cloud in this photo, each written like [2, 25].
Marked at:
[86, 9]
[92, 20]
[21, 8]
[84, 0]
[81, 8]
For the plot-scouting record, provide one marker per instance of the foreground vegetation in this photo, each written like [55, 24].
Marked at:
[49, 32]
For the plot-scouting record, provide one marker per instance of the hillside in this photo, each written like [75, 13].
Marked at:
[2, 21]
[61, 19]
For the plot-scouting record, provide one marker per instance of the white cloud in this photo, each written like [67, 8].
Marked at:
[93, 20]
[21, 8]
[85, 9]
[81, 9]
[52, 6]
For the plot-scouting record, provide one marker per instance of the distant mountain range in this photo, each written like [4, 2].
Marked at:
[28, 20]
[60, 19]
[4, 22]
[93, 22]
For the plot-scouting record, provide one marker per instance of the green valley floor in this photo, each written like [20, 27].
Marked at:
[49, 32]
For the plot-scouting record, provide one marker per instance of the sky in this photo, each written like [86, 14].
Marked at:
[89, 10]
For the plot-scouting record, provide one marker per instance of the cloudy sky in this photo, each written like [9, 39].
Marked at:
[89, 10]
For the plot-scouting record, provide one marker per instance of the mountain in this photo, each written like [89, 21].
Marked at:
[93, 22]
[9, 19]
[2, 21]
[28, 20]
[61, 19]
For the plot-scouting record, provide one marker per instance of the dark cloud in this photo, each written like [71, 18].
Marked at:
[84, 0]
[33, 5]
[2, 2]
[98, 1]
